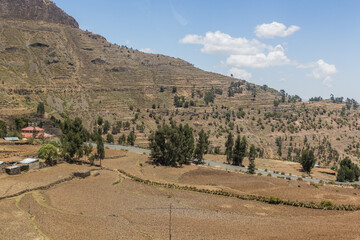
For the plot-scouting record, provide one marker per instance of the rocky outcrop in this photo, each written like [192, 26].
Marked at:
[36, 10]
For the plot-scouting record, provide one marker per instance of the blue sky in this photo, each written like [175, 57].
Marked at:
[309, 48]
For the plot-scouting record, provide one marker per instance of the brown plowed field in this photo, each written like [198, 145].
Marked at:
[109, 206]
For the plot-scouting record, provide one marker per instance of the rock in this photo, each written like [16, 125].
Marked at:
[98, 61]
[35, 10]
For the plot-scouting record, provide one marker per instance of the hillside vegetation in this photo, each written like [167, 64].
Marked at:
[77, 73]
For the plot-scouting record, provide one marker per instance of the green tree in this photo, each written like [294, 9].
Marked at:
[49, 153]
[187, 143]
[283, 95]
[40, 109]
[348, 171]
[243, 149]
[106, 127]
[239, 150]
[3, 129]
[88, 148]
[110, 138]
[307, 160]
[100, 121]
[236, 152]
[201, 146]
[229, 147]
[20, 123]
[252, 156]
[131, 138]
[126, 125]
[73, 137]
[100, 150]
[122, 139]
[209, 96]
[172, 145]
[278, 142]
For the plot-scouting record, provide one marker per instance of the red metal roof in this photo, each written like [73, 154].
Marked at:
[37, 129]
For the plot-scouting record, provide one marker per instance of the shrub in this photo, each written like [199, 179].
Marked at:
[48, 152]
[274, 200]
[327, 204]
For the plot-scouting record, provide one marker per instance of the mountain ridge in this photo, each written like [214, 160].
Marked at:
[35, 10]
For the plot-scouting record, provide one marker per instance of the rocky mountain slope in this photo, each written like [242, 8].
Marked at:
[45, 57]
[35, 10]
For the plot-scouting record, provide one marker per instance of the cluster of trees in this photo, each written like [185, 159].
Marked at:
[315, 99]
[173, 145]
[181, 102]
[209, 96]
[351, 102]
[103, 127]
[235, 151]
[235, 87]
[348, 171]
[73, 142]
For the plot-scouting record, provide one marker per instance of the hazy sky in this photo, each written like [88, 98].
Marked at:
[306, 47]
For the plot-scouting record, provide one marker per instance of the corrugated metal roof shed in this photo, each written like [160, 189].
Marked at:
[13, 167]
[29, 160]
[12, 139]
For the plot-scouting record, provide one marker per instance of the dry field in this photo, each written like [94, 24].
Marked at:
[111, 206]
[279, 165]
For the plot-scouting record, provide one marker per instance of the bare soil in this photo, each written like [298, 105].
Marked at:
[109, 206]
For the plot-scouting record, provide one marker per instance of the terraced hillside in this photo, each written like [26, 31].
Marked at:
[46, 58]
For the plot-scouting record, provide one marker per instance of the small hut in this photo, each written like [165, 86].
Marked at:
[32, 163]
[13, 170]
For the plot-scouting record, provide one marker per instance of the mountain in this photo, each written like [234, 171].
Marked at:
[35, 10]
[45, 57]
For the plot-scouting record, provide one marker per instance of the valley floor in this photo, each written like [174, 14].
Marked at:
[112, 206]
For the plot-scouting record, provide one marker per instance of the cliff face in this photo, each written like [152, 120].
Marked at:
[36, 10]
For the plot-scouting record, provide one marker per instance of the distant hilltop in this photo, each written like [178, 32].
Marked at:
[36, 10]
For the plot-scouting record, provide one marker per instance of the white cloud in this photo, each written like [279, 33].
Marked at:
[241, 51]
[223, 44]
[275, 57]
[274, 29]
[146, 50]
[244, 53]
[240, 73]
[322, 71]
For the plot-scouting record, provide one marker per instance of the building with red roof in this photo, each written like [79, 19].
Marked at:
[34, 132]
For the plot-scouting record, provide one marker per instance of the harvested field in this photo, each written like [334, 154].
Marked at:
[108, 205]
[94, 208]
